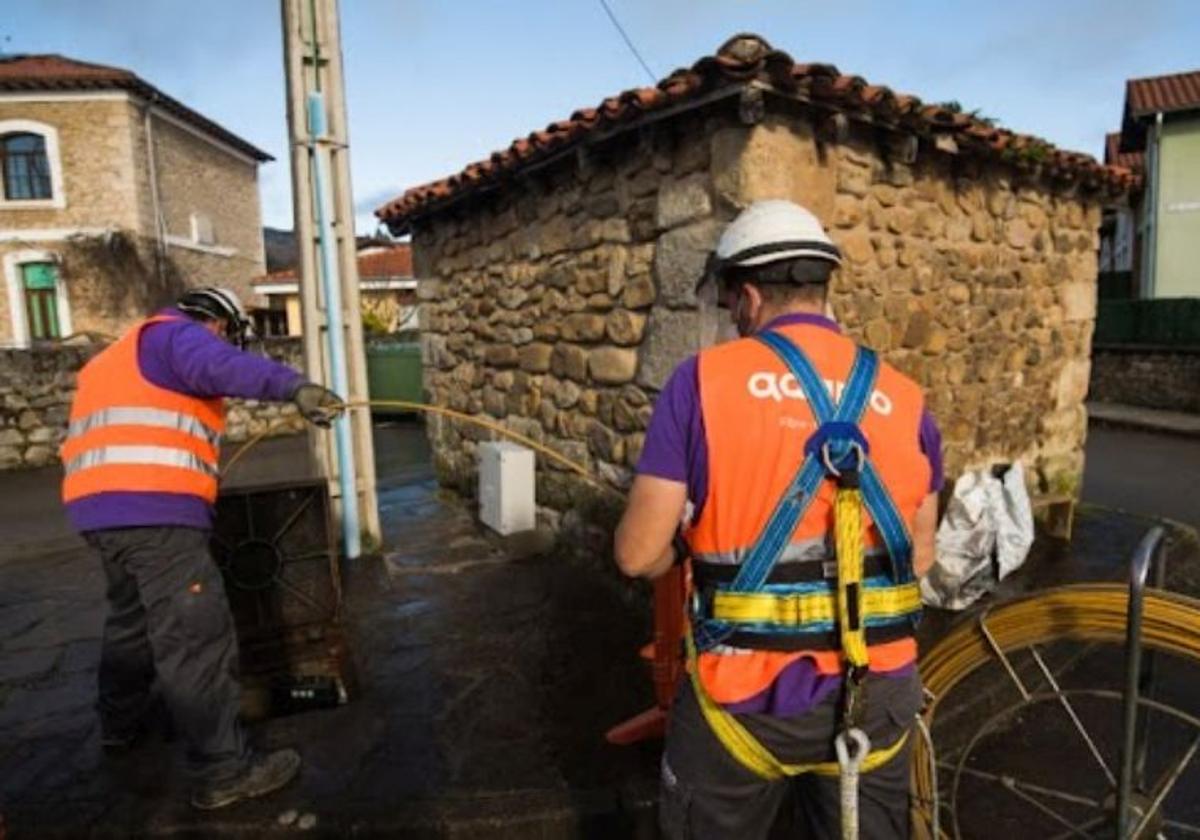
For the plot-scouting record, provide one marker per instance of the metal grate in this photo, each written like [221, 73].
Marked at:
[276, 548]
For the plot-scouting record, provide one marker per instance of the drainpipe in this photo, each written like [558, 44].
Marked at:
[152, 172]
[1150, 231]
[334, 328]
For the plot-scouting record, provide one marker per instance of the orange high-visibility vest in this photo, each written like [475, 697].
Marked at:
[127, 434]
[757, 421]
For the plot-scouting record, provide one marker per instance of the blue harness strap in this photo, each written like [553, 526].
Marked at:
[837, 436]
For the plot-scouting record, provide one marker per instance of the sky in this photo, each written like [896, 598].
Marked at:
[433, 85]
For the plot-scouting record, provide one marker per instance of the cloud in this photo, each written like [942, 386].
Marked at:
[372, 200]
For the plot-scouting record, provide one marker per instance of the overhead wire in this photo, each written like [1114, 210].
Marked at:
[629, 42]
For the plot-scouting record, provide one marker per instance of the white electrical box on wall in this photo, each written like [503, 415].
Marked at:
[507, 501]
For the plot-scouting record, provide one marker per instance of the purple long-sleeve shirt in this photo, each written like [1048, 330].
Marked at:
[182, 356]
[676, 448]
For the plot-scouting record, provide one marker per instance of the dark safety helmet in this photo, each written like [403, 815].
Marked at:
[210, 302]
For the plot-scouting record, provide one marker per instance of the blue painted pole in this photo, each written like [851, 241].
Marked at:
[335, 329]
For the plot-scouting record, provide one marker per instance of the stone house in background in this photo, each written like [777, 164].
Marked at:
[557, 277]
[113, 196]
[387, 291]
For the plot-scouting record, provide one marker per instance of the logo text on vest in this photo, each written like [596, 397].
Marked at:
[766, 385]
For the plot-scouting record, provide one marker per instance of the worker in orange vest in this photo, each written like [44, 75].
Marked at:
[141, 469]
[803, 472]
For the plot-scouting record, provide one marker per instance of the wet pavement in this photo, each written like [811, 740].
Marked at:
[1142, 472]
[489, 671]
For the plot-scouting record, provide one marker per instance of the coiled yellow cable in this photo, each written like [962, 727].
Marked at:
[1082, 612]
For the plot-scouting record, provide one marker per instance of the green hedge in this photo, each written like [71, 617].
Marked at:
[1168, 322]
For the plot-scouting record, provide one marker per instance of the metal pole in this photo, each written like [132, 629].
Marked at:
[312, 62]
[347, 476]
[1139, 569]
[1147, 675]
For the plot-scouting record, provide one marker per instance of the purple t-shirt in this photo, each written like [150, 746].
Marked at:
[183, 356]
[676, 448]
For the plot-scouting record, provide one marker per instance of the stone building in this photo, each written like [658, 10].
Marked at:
[557, 277]
[113, 196]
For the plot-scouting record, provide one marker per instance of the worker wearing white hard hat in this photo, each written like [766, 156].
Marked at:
[760, 439]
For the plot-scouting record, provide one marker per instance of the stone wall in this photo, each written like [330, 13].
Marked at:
[98, 188]
[110, 280]
[37, 386]
[981, 284]
[95, 143]
[106, 189]
[195, 176]
[1151, 377]
[560, 304]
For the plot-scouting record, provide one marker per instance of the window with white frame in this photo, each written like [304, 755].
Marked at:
[202, 230]
[30, 169]
[38, 305]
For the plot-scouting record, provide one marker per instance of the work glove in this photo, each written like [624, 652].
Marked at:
[318, 405]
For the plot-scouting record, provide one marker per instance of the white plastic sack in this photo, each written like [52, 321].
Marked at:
[984, 536]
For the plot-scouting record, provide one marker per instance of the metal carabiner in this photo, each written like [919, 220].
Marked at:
[827, 458]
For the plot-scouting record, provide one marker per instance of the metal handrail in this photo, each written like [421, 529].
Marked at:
[1148, 551]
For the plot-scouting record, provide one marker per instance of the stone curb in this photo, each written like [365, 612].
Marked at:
[1144, 419]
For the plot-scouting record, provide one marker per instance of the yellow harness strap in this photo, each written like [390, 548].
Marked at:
[848, 529]
[811, 607]
[750, 752]
[852, 602]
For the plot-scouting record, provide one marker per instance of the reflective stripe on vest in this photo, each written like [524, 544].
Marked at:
[128, 435]
[159, 456]
[750, 603]
[756, 444]
[141, 416]
[816, 550]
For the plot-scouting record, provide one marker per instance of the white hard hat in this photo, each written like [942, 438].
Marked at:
[769, 231]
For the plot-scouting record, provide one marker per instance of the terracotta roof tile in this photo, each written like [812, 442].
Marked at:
[742, 59]
[1176, 92]
[375, 263]
[1113, 155]
[58, 73]
[394, 261]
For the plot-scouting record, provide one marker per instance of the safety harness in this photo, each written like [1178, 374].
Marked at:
[796, 606]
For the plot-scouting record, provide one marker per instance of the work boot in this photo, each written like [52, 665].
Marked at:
[266, 773]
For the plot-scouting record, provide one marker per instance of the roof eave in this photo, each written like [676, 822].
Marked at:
[146, 91]
[402, 224]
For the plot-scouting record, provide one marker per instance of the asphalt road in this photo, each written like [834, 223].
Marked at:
[1141, 472]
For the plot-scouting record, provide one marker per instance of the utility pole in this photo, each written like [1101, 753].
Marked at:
[324, 219]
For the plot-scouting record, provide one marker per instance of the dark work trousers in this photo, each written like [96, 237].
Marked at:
[707, 794]
[168, 617]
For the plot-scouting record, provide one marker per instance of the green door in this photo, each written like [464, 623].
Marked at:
[41, 300]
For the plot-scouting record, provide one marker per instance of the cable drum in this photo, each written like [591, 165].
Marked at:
[1081, 613]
